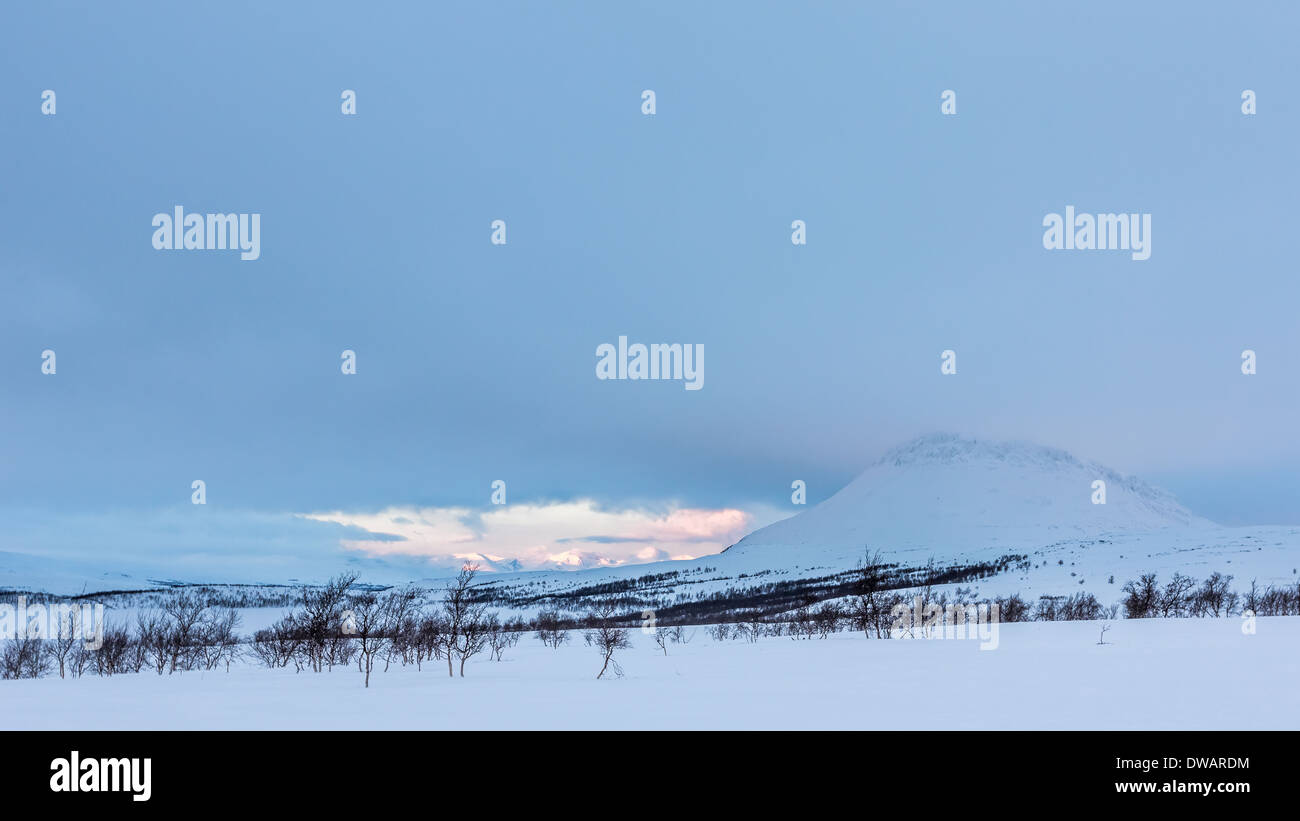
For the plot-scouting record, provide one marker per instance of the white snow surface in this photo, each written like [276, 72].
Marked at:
[1151, 674]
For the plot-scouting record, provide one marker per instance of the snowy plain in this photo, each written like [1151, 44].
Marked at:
[1150, 674]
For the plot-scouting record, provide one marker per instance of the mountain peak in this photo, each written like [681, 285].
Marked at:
[949, 448]
[951, 493]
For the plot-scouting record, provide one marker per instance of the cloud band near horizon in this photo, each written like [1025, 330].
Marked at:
[542, 535]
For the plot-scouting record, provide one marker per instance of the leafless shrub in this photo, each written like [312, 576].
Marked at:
[1079, 607]
[278, 644]
[607, 637]
[1276, 600]
[321, 622]
[1214, 597]
[83, 655]
[154, 638]
[751, 627]
[802, 625]
[113, 654]
[25, 657]
[1176, 599]
[1012, 609]
[67, 637]
[429, 641]
[660, 636]
[1251, 601]
[1141, 597]
[466, 631]
[503, 635]
[218, 641]
[550, 628]
[401, 624]
[368, 627]
[868, 610]
[186, 614]
[826, 619]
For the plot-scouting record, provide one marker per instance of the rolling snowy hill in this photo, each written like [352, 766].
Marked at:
[948, 495]
[959, 499]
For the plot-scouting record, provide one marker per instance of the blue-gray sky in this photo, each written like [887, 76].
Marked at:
[476, 362]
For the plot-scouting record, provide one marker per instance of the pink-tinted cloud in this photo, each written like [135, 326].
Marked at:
[559, 535]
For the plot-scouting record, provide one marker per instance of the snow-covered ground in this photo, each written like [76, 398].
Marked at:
[1158, 673]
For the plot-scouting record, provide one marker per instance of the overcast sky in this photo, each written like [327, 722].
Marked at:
[475, 362]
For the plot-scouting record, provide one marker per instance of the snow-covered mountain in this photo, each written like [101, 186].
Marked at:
[950, 495]
[960, 500]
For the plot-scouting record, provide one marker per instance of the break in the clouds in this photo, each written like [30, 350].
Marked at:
[546, 535]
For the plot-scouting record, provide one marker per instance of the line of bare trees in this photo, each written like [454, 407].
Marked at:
[343, 623]
[184, 634]
[870, 609]
[1181, 597]
[339, 624]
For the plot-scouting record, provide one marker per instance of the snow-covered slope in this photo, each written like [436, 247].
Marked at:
[948, 495]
